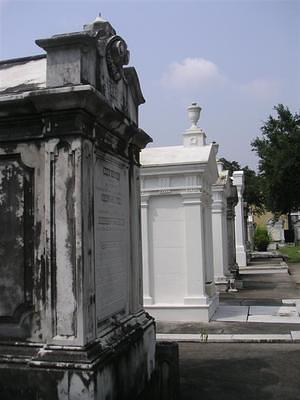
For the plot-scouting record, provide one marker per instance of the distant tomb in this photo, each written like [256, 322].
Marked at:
[230, 215]
[240, 226]
[224, 200]
[177, 227]
[276, 231]
[250, 230]
[72, 323]
[297, 232]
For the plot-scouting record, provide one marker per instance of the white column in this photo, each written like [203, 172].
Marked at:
[250, 229]
[209, 263]
[230, 219]
[220, 236]
[241, 259]
[147, 274]
[194, 250]
[136, 281]
[225, 242]
[210, 288]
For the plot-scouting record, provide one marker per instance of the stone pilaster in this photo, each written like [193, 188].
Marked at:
[147, 273]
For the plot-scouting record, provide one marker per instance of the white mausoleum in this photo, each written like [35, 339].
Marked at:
[177, 227]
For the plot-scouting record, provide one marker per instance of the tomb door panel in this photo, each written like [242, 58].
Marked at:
[166, 238]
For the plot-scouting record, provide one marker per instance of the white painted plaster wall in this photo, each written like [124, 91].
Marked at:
[31, 72]
[166, 227]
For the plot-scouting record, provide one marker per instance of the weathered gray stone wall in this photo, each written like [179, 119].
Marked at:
[117, 375]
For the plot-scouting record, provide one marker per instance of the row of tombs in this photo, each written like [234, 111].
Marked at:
[72, 321]
[194, 231]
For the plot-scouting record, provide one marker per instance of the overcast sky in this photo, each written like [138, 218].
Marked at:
[237, 59]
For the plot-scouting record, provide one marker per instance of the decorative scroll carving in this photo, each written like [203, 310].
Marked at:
[117, 55]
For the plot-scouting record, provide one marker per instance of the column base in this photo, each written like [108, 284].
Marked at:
[201, 312]
[239, 284]
[119, 368]
[148, 300]
[222, 284]
[241, 257]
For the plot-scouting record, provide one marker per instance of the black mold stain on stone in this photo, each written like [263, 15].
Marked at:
[70, 211]
[11, 238]
[43, 280]
[85, 378]
[22, 88]
[9, 147]
[71, 238]
[4, 64]
[32, 384]
[15, 245]
[37, 234]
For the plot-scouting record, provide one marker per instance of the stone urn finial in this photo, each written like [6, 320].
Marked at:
[194, 114]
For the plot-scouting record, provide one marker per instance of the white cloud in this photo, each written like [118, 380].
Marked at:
[262, 89]
[192, 73]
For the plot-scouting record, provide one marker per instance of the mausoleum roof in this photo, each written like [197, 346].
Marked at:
[23, 74]
[172, 155]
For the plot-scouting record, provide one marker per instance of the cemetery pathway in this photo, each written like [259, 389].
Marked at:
[251, 348]
[265, 309]
[247, 371]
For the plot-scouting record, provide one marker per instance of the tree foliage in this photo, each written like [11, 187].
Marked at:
[279, 161]
[261, 238]
[253, 193]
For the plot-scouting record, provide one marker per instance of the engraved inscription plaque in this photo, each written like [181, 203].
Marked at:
[16, 220]
[111, 237]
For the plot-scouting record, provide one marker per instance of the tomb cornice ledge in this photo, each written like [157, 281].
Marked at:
[183, 191]
[218, 187]
[74, 38]
[77, 97]
[173, 169]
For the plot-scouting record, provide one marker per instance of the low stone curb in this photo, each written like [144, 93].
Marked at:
[292, 337]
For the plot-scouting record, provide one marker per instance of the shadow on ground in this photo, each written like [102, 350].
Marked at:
[239, 371]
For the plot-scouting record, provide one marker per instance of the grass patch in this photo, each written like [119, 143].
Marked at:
[293, 253]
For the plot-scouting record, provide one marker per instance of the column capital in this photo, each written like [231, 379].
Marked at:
[144, 200]
[238, 181]
[218, 207]
[191, 198]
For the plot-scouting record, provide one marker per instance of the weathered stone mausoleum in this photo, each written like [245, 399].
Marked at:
[177, 237]
[72, 324]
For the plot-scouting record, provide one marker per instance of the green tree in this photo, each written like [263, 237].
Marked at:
[279, 161]
[253, 193]
[261, 238]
